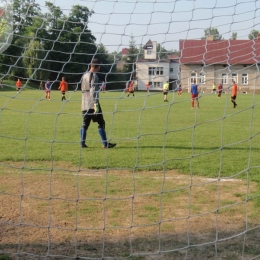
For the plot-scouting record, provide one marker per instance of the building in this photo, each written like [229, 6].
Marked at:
[120, 59]
[210, 61]
[156, 71]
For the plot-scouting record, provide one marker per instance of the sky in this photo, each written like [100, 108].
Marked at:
[164, 21]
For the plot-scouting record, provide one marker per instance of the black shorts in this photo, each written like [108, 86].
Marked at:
[165, 93]
[63, 92]
[90, 115]
[233, 97]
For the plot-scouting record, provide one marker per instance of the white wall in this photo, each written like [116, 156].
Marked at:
[142, 72]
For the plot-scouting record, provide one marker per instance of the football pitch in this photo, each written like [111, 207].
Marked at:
[180, 181]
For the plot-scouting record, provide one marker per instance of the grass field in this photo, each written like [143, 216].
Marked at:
[181, 183]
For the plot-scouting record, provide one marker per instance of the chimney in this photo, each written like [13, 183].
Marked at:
[210, 37]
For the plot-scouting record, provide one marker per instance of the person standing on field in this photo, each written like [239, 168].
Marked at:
[179, 89]
[165, 91]
[48, 89]
[63, 88]
[234, 93]
[131, 89]
[90, 106]
[147, 87]
[18, 85]
[214, 88]
[40, 86]
[104, 86]
[220, 87]
[195, 89]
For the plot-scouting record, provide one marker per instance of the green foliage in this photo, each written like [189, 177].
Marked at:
[212, 31]
[50, 44]
[5, 257]
[234, 36]
[253, 34]
[131, 59]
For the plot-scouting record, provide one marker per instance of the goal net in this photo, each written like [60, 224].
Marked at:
[179, 90]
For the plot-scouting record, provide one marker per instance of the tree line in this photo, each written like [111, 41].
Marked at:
[52, 44]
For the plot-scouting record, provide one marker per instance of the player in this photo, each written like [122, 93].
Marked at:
[131, 89]
[234, 93]
[165, 91]
[195, 89]
[48, 89]
[179, 89]
[18, 85]
[147, 87]
[103, 86]
[90, 107]
[40, 86]
[63, 88]
[220, 88]
[214, 88]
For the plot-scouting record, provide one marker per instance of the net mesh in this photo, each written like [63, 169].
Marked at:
[181, 183]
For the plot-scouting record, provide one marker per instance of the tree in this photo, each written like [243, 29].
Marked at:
[131, 59]
[253, 34]
[234, 36]
[212, 31]
[32, 60]
[23, 13]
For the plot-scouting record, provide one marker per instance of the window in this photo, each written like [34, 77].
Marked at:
[192, 77]
[159, 71]
[155, 71]
[244, 79]
[234, 77]
[149, 52]
[171, 69]
[157, 84]
[224, 79]
[202, 78]
[151, 70]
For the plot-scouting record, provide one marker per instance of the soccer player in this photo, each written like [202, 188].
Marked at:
[90, 107]
[131, 89]
[18, 85]
[103, 86]
[214, 88]
[220, 88]
[195, 89]
[147, 87]
[165, 91]
[234, 93]
[48, 89]
[179, 89]
[63, 88]
[40, 86]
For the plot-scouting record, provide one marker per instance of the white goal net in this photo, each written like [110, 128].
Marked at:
[180, 96]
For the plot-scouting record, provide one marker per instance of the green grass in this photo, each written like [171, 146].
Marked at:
[214, 141]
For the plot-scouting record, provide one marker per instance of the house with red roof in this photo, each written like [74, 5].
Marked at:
[219, 61]
[156, 71]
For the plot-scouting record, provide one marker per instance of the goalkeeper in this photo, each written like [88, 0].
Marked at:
[91, 109]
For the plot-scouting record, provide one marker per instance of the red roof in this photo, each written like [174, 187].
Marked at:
[125, 51]
[219, 51]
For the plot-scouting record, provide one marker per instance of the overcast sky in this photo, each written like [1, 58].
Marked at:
[165, 21]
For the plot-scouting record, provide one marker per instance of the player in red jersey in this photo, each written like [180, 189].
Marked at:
[234, 93]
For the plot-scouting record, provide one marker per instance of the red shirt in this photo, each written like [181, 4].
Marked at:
[63, 86]
[234, 90]
[18, 83]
